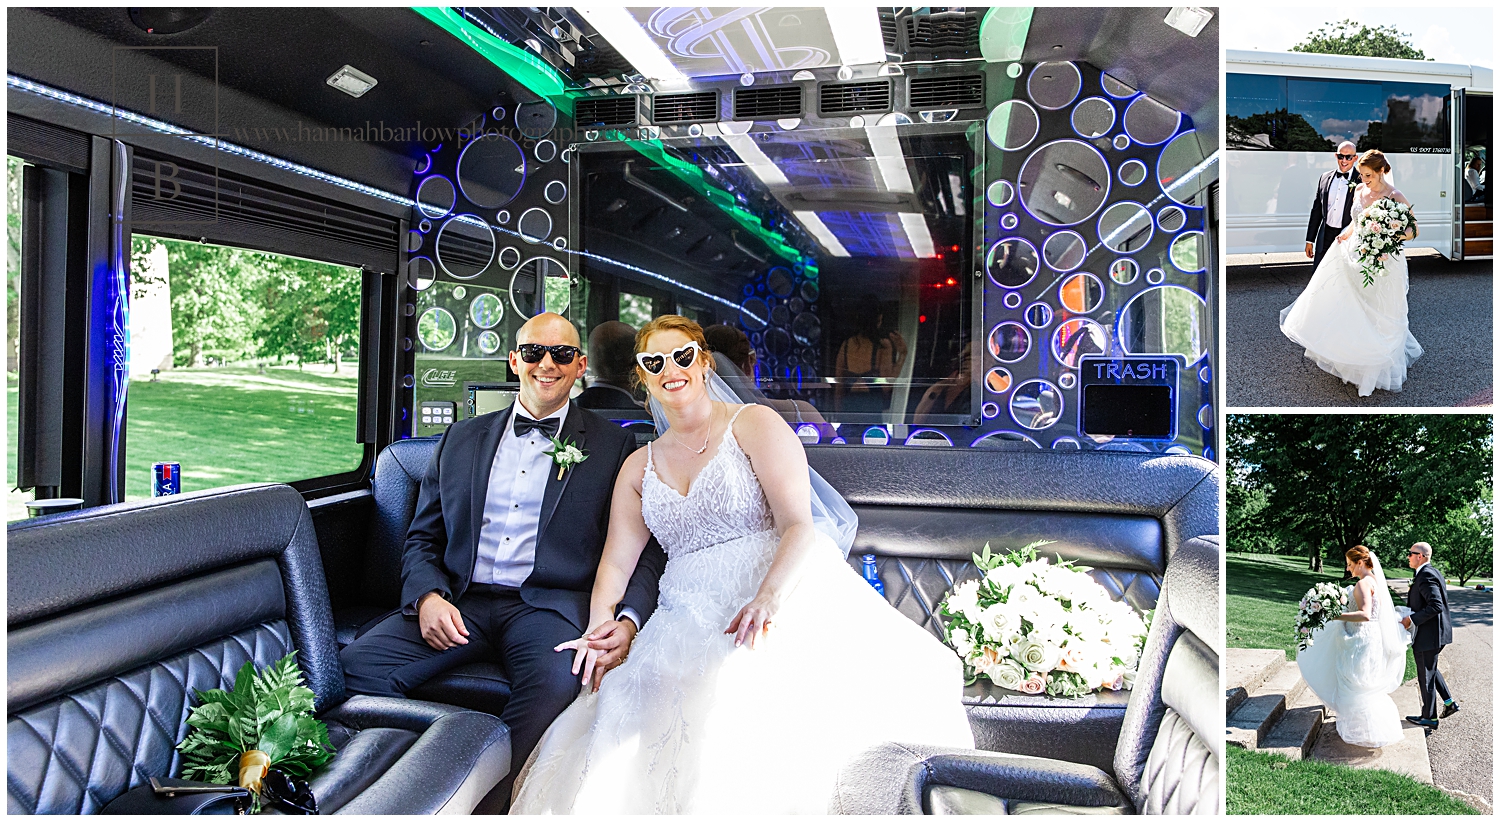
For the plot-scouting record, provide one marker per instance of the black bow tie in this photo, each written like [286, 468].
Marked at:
[525, 425]
[1343, 175]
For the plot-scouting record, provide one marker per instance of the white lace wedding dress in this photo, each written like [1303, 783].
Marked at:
[1357, 334]
[692, 724]
[1354, 666]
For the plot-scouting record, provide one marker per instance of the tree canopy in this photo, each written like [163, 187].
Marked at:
[1360, 40]
[1323, 483]
[237, 304]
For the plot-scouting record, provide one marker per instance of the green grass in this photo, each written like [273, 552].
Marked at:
[1261, 783]
[1263, 592]
[228, 426]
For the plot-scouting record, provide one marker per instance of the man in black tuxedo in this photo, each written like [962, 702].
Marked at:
[502, 551]
[1331, 206]
[1428, 600]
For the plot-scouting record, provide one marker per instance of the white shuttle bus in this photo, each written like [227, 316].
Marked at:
[1287, 112]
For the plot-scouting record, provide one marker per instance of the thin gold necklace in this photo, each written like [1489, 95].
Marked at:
[706, 436]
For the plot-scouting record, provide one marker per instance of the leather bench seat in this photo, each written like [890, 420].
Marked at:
[117, 614]
[923, 512]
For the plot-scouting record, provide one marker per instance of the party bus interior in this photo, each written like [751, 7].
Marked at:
[264, 257]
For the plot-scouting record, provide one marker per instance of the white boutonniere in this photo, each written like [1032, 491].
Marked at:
[566, 455]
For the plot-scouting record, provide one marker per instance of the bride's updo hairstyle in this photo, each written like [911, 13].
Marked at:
[670, 322]
[1374, 161]
[1360, 555]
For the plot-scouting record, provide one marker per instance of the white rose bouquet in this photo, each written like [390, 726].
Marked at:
[1321, 603]
[1380, 232]
[1038, 627]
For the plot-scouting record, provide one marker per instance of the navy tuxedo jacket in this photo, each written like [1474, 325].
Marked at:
[1428, 601]
[1317, 223]
[443, 540]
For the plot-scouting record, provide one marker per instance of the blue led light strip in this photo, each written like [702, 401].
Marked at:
[637, 269]
[209, 140]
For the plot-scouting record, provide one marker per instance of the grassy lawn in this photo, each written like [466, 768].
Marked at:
[228, 426]
[1262, 604]
[1262, 783]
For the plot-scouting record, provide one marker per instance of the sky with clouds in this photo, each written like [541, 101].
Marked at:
[1448, 35]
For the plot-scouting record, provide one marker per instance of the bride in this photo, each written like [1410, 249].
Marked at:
[768, 661]
[1356, 660]
[1355, 333]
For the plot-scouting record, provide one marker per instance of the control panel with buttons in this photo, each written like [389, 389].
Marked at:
[437, 413]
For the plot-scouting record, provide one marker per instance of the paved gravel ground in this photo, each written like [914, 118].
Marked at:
[1461, 748]
[1450, 314]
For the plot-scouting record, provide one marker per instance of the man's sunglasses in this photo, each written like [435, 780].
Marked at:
[657, 363]
[1347, 156]
[1415, 554]
[561, 354]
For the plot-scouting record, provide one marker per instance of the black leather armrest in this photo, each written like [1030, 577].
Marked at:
[457, 759]
[892, 779]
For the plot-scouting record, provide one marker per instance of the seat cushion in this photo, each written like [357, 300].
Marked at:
[478, 686]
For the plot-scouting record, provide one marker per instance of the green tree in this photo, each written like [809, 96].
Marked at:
[1360, 40]
[1462, 538]
[1332, 480]
[311, 310]
[12, 263]
[213, 308]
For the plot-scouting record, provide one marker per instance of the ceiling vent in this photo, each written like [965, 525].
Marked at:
[966, 91]
[850, 98]
[607, 111]
[697, 107]
[942, 34]
[769, 103]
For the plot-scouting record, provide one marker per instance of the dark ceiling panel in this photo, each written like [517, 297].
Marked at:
[272, 66]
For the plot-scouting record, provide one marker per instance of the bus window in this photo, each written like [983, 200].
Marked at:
[1268, 112]
[244, 366]
[15, 499]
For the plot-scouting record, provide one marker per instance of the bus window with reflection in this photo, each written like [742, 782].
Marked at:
[1266, 112]
[15, 499]
[244, 366]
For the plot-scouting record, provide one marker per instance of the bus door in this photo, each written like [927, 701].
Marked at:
[1473, 222]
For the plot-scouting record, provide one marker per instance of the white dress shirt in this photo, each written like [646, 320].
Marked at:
[513, 504]
[1338, 191]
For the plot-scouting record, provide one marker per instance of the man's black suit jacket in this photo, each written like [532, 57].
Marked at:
[1317, 222]
[1428, 601]
[443, 540]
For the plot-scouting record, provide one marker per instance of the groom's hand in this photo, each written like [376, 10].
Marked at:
[441, 623]
[612, 641]
[1308, 251]
[1406, 621]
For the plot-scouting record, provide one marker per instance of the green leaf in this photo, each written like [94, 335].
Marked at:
[278, 739]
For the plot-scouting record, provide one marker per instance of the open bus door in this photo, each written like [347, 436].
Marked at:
[1473, 221]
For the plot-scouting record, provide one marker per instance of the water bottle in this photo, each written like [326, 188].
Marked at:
[871, 576]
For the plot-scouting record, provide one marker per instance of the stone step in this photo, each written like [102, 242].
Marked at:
[1287, 681]
[1254, 719]
[1248, 668]
[1233, 698]
[1296, 733]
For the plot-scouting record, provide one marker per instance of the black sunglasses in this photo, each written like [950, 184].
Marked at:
[288, 794]
[561, 354]
[657, 363]
[1346, 156]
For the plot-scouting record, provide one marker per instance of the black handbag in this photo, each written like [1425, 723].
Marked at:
[180, 796]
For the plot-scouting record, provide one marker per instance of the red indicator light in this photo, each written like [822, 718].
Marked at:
[922, 318]
[955, 248]
[952, 281]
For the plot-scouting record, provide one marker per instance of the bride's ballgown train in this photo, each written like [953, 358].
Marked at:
[692, 724]
[1350, 669]
[1357, 334]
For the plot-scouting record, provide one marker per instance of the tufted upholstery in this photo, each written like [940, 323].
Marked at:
[922, 513]
[116, 614]
[1166, 760]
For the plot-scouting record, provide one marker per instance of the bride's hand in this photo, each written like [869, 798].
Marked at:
[753, 620]
[584, 657]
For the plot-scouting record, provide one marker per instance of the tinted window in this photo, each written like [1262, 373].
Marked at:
[255, 359]
[1311, 114]
[16, 499]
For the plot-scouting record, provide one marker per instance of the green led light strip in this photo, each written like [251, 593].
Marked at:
[527, 69]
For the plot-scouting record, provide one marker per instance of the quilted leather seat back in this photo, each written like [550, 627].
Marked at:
[117, 614]
[1172, 744]
[921, 553]
[398, 477]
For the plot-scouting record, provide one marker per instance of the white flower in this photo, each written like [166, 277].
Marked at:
[999, 622]
[964, 599]
[1038, 656]
[961, 642]
[1007, 674]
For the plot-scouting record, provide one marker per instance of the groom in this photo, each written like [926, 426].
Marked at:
[1331, 206]
[502, 550]
[1428, 600]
